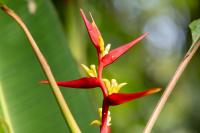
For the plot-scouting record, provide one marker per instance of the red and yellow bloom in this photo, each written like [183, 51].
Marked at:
[110, 89]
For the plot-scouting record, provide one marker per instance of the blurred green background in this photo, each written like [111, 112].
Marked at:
[27, 106]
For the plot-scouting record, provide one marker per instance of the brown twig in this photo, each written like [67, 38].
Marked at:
[59, 97]
[170, 87]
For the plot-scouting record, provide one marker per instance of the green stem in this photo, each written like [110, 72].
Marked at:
[171, 86]
[58, 95]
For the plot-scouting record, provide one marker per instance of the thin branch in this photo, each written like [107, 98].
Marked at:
[58, 95]
[170, 87]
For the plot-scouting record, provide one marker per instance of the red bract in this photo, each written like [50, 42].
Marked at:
[93, 31]
[79, 83]
[110, 88]
[116, 53]
[120, 98]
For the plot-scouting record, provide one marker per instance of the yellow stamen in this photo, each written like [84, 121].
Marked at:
[100, 112]
[103, 50]
[107, 83]
[101, 44]
[98, 122]
[90, 71]
[93, 69]
[113, 86]
[107, 49]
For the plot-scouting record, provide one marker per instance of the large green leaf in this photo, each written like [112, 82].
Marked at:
[26, 105]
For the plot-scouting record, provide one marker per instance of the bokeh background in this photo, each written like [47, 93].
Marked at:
[62, 36]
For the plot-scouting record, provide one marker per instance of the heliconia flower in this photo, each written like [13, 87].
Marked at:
[95, 35]
[79, 83]
[116, 53]
[120, 98]
[110, 89]
[98, 122]
[93, 31]
[113, 86]
[90, 71]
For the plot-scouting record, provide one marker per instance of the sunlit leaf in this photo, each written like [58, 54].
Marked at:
[195, 29]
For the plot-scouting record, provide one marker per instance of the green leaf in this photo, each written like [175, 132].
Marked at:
[25, 105]
[195, 29]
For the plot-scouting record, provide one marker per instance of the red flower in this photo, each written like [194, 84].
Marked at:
[79, 83]
[111, 88]
[120, 98]
[93, 31]
[116, 53]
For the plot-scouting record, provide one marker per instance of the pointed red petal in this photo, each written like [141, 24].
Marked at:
[116, 53]
[92, 29]
[79, 83]
[119, 98]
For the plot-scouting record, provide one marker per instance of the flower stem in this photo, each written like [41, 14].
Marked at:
[100, 70]
[104, 128]
[58, 95]
[100, 67]
[170, 87]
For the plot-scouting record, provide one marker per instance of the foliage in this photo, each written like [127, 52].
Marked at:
[195, 29]
[26, 105]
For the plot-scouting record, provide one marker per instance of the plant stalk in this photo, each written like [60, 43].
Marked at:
[58, 95]
[104, 128]
[171, 86]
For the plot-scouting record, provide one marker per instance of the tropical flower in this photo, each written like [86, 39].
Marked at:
[110, 89]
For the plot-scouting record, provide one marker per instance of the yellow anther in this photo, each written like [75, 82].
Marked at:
[93, 69]
[114, 83]
[90, 71]
[113, 86]
[103, 50]
[101, 44]
[107, 49]
[107, 83]
[98, 122]
[100, 112]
